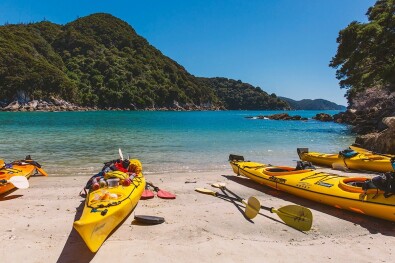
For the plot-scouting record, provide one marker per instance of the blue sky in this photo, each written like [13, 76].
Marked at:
[282, 46]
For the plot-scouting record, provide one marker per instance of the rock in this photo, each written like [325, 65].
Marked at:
[323, 117]
[389, 122]
[383, 142]
[279, 116]
[32, 104]
[13, 106]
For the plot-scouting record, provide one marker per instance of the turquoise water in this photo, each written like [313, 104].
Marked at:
[77, 143]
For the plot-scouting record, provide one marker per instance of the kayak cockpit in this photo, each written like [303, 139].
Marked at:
[283, 170]
[355, 185]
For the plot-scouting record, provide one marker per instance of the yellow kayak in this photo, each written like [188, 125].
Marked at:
[109, 205]
[25, 168]
[354, 158]
[331, 189]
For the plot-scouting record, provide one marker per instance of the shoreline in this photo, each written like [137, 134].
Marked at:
[211, 229]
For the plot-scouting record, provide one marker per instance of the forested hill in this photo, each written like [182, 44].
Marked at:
[100, 61]
[237, 95]
[317, 104]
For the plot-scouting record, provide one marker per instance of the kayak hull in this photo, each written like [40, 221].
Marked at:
[361, 161]
[101, 217]
[26, 170]
[330, 189]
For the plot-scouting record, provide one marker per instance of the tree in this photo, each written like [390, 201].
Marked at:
[366, 53]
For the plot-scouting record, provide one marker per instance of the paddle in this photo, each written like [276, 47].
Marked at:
[252, 205]
[18, 181]
[29, 160]
[162, 193]
[120, 153]
[147, 193]
[295, 216]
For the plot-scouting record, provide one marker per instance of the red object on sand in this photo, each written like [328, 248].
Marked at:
[162, 193]
[147, 194]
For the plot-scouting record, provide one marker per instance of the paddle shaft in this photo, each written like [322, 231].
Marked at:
[239, 198]
[230, 198]
[216, 194]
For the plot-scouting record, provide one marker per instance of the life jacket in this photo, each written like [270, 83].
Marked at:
[135, 166]
[384, 182]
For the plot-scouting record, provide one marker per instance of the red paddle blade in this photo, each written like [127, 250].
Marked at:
[147, 194]
[165, 195]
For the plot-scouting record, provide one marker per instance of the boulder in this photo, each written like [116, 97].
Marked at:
[13, 106]
[389, 122]
[323, 117]
[383, 142]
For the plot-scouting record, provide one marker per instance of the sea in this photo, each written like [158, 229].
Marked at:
[78, 143]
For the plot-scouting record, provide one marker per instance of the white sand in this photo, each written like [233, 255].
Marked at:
[36, 226]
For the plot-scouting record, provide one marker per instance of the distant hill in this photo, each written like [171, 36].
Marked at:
[236, 95]
[317, 104]
[100, 61]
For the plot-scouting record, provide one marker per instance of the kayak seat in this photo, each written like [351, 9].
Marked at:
[282, 170]
[274, 170]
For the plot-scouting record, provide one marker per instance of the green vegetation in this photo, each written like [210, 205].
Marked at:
[237, 95]
[366, 53]
[317, 104]
[100, 61]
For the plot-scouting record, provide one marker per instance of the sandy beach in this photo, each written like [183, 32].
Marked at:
[36, 226]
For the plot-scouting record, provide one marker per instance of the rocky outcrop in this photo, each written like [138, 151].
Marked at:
[323, 117]
[279, 116]
[370, 113]
[383, 141]
[51, 104]
[367, 110]
[55, 104]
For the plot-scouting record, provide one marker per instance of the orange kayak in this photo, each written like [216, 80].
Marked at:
[24, 168]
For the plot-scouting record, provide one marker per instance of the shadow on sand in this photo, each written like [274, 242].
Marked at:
[6, 196]
[372, 224]
[75, 249]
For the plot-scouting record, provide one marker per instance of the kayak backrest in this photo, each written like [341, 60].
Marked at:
[237, 158]
[348, 153]
[304, 165]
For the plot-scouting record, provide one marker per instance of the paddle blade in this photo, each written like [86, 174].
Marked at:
[252, 207]
[147, 194]
[219, 185]
[41, 171]
[165, 195]
[296, 216]
[120, 153]
[20, 182]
